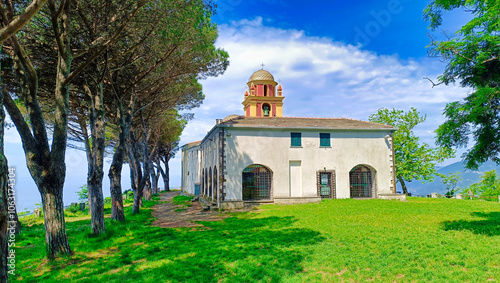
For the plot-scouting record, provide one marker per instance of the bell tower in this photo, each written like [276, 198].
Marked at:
[263, 98]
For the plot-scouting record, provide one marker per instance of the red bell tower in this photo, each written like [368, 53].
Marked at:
[263, 98]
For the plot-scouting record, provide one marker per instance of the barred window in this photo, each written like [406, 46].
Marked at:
[256, 183]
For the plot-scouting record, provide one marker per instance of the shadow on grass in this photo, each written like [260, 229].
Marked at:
[489, 226]
[238, 249]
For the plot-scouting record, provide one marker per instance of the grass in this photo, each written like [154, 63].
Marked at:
[182, 200]
[422, 239]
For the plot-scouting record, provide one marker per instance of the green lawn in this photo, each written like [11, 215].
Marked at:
[336, 240]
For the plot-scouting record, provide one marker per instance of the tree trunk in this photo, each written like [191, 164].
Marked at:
[46, 163]
[163, 176]
[403, 185]
[137, 201]
[4, 214]
[148, 194]
[155, 175]
[96, 160]
[51, 185]
[166, 177]
[136, 177]
[55, 227]
[115, 176]
[115, 171]
[94, 184]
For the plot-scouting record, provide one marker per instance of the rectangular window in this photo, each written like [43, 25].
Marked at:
[326, 184]
[324, 139]
[296, 139]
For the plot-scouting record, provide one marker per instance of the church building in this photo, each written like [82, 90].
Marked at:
[262, 156]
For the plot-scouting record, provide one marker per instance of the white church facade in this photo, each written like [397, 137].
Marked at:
[262, 156]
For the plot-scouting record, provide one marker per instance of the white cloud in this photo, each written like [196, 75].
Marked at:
[11, 136]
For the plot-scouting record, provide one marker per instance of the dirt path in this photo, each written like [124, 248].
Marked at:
[168, 217]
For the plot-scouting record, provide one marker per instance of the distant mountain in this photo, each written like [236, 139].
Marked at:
[469, 177]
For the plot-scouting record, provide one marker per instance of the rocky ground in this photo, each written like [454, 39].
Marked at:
[170, 215]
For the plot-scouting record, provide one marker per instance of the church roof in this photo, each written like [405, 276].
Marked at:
[190, 145]
[261, 75]
[302, 123]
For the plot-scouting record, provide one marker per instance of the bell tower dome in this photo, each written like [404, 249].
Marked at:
[263, 98]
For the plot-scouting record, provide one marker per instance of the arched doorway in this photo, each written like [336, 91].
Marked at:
[216, 185]
[202, 182]
[210, 182]
[206, 183]
[257, 181]
[361, 179]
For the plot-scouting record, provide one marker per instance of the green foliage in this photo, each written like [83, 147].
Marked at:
[128, 196]
[472, 191]
[488, 187]
[450, 181]
[441, 240]
[83, 193]
[491, 186]
[26, 212]
[472, 57]
[414, 160]
[182, 200]
[28, 218]
[72, 209]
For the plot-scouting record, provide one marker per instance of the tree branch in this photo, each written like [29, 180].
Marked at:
[104, 46]
[18, 119]
[433, 84]
[20, 21]
[55, 26]
[34, 111]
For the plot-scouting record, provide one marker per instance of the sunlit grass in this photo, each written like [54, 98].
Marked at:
[182, 200]
[336, 240]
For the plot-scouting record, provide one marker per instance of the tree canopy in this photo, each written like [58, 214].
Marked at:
[488, 187]
[107, 62]
[414, 160]
[472, 57]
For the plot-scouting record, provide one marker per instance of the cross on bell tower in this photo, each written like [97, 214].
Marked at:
[263, 98]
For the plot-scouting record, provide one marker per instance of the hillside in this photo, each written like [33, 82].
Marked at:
[469, 177]
[343, 240]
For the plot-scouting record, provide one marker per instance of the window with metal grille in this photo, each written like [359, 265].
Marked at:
[324, 139]
[256, 183]
[361, 182]
[326, 184]
[296, 139]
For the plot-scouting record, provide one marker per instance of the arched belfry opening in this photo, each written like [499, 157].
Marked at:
[257, 183]
[261, 99]
[362, 182]
[266, 110]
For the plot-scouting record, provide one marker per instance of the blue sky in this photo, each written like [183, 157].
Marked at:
[333, 58]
